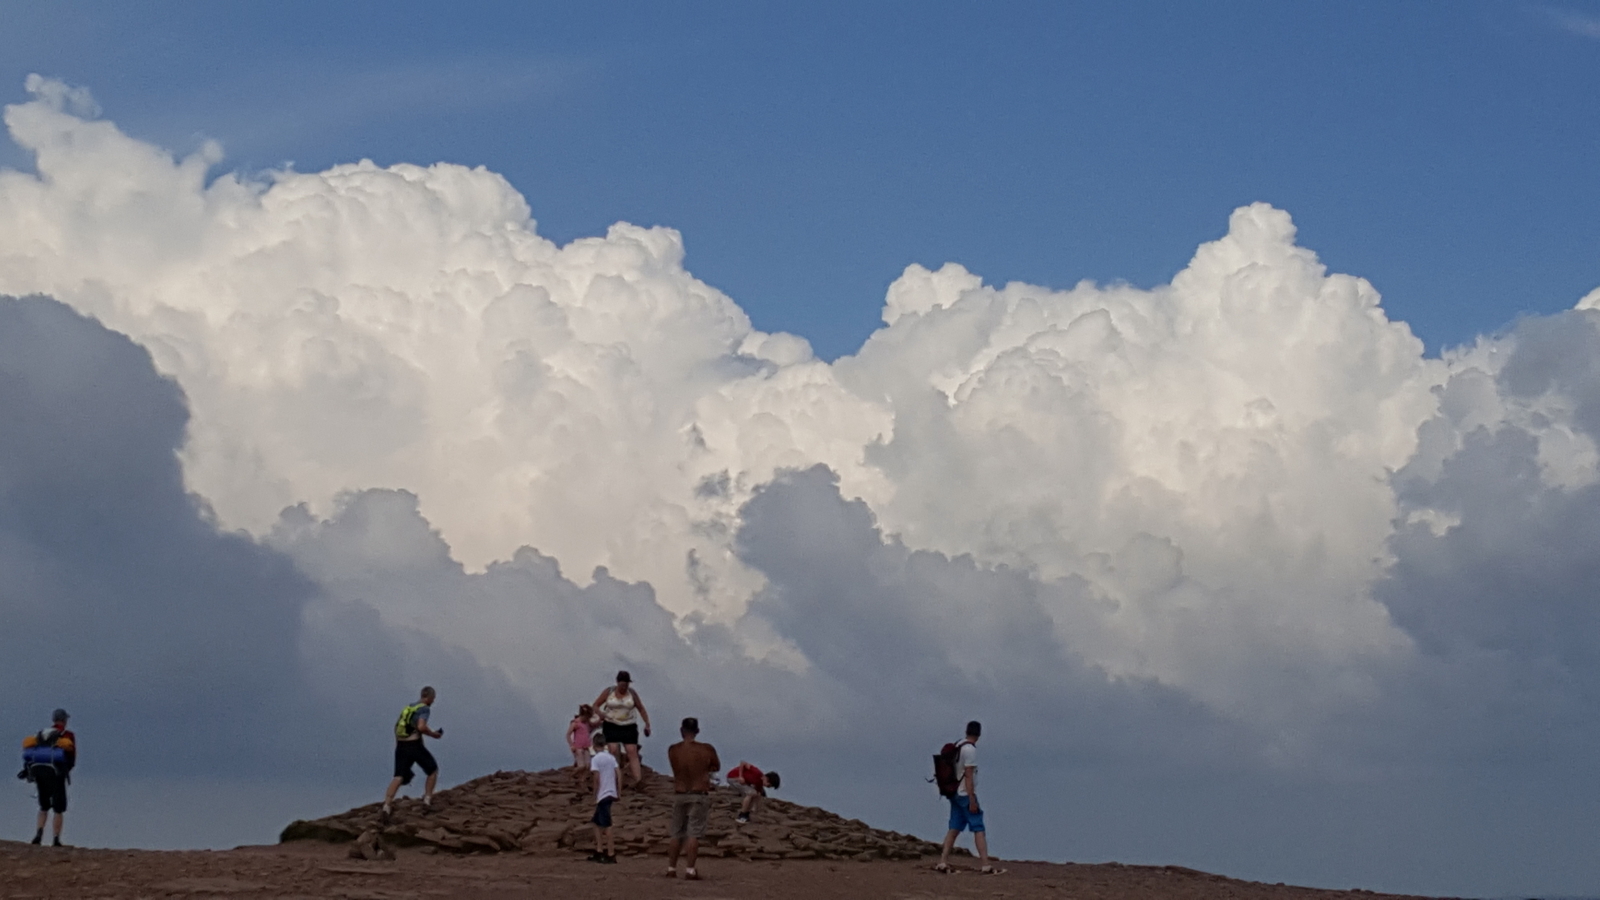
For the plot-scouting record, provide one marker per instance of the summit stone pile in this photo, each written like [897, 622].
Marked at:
[548, 813]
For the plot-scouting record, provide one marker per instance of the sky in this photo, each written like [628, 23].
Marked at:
[1207, 399]
[1438, 149]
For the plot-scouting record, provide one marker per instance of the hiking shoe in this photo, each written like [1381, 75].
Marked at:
[37, 839]
[597, 856]
[743, 818]
[386, 816]
[609, 860]
[56, 842]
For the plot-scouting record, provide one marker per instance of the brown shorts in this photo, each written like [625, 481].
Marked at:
[689, 814]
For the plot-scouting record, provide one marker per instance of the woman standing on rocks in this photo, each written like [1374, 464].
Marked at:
[620, 708]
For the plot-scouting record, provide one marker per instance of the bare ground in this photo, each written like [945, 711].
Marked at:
[315, 869]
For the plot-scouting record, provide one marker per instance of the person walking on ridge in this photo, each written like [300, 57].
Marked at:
[753, 783]
[965, 813]
[580, 738]
[607, 790]
[47, 760]
[409, 751]
[620, 706]
[693, 764]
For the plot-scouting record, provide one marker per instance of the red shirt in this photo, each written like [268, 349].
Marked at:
[749, 775]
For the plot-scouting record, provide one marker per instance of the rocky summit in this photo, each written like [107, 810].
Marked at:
[548, 813]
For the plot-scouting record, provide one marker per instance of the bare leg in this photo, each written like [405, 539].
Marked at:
[427, 788]
[44, 816]
[982, 841]
[59, 817]
[633, 763]
[949, 844]
[672, 854]
[394, 788]
[693, 852]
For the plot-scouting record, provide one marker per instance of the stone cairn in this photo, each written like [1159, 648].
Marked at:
[547, 813]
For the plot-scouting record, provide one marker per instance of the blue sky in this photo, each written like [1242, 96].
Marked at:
[1442, 150]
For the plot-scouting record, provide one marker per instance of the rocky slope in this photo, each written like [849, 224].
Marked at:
[548, 812]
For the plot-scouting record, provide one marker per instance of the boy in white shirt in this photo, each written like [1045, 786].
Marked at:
[606, 792]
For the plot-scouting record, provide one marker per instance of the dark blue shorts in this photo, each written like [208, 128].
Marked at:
[412, 753]
[602, 812]
[961, 819]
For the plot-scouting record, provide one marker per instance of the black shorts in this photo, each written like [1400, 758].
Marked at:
[602, 813]
[409, 753]
[627, 735]
[52, 787]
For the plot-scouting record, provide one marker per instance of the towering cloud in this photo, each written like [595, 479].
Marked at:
[181, 648]
[1237, 529]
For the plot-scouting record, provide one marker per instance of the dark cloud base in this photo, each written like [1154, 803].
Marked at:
[179, 649]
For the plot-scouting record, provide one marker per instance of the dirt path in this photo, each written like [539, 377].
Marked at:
[310, 869]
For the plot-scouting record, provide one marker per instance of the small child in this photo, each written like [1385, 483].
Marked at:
[606, 792]
[753, 783]
[579, 737]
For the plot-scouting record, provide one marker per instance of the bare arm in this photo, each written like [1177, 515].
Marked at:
[601, 700]
[972, 795]
[638, 704]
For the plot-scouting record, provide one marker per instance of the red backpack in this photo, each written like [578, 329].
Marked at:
[947, 769]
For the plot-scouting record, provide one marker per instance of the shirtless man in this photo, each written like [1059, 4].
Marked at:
[693, 764]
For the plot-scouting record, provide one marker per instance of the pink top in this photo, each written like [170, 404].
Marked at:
[578, 734]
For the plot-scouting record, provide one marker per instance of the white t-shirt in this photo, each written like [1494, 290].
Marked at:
[606, 764]
[969, 757]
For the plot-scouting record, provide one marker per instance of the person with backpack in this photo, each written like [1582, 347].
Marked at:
[955, 770]
[753, 784]
[409, 751]
[47, 761]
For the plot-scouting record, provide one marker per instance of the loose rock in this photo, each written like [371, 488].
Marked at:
[548, 812]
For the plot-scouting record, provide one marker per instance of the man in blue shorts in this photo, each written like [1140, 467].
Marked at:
[965, 813]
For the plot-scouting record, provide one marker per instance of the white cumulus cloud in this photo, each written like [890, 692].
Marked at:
[1205, 464]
